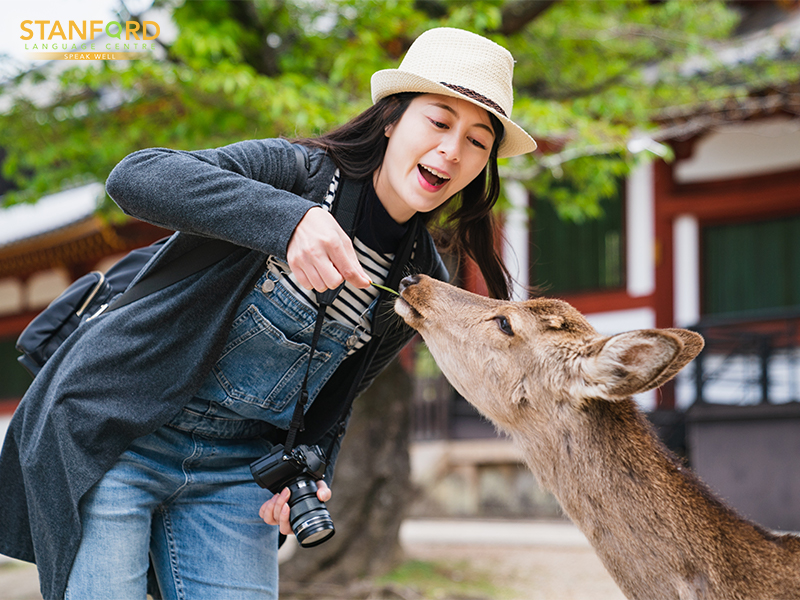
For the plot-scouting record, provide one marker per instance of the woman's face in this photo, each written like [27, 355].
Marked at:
[437, 147]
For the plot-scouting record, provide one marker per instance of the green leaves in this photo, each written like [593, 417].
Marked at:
[588, 77]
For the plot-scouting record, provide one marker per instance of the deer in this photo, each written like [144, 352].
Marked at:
[563, 393]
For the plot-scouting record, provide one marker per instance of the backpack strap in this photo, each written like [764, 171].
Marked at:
[193, 261]
[301, 176]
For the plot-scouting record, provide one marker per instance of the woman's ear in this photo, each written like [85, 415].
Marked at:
[387, 131]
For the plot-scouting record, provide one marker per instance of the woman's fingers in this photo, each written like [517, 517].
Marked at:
[275, 511]
[323, 491]
[344, 259]
[321, 256]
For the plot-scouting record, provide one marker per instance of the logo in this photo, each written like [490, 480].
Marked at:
[76, 40]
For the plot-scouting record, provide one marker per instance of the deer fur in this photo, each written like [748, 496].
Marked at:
[542, 374]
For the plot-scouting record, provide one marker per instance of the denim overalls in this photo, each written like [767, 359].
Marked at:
[186, 490]
[261, 369]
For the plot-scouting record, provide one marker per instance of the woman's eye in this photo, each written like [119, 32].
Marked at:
[504, 325]
[438, 124]
[478, 144]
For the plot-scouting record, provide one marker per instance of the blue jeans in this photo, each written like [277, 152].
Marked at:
[190, 503]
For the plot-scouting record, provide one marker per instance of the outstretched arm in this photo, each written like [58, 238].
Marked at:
[236, 193]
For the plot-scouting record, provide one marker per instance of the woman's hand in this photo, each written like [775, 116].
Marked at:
[320, 254]
[275, 511]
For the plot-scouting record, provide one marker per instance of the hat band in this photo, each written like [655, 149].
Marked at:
[475, 96]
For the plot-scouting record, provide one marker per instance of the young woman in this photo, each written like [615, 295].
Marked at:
[132, 447]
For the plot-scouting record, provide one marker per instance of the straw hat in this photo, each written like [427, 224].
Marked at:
[461, 64]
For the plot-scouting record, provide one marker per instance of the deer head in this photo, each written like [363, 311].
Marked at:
[532, 357]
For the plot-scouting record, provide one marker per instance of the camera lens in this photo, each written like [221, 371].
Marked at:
[310, 519]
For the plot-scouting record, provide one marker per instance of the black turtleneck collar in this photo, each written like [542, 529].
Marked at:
[378, 230]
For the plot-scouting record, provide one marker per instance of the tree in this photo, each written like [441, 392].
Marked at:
[589, 76]
[372, 492]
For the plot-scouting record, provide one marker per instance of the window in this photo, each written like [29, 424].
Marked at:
[577, 257]
[751, 266]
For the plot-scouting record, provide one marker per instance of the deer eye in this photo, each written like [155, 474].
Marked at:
[504, 325]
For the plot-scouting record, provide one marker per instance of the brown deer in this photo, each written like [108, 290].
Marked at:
[542, 374]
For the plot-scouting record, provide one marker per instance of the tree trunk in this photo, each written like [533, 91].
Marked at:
[371, 490]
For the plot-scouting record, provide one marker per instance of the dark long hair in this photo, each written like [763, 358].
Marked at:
[465, 222]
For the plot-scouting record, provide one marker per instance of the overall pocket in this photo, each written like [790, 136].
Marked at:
[261, 367]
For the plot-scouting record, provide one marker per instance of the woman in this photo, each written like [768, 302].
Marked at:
[133, 448]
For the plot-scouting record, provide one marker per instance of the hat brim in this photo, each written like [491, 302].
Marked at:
[384, 83]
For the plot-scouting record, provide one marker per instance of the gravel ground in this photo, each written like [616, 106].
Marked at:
[531, 573]
[526, 560]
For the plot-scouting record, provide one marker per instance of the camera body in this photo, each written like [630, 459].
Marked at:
[298, 470]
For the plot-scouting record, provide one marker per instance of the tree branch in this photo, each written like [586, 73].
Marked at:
[262, 57]
[517, 14]
[560, 95]
[553, 162]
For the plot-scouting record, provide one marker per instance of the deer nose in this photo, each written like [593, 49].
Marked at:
[408, 281]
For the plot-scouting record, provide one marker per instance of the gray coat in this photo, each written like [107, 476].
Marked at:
[129, 371]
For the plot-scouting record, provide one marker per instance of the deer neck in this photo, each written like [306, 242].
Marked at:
[649, 520]
[589, 457]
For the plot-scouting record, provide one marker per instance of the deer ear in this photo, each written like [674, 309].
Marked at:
[692, 345]
[630, 363]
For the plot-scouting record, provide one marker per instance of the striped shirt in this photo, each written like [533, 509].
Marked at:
[351, 306]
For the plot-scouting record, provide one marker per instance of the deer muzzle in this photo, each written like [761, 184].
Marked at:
[408, 303]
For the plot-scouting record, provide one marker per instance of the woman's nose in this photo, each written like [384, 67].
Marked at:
[450, 148]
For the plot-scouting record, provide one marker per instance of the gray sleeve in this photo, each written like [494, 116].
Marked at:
[235, 193]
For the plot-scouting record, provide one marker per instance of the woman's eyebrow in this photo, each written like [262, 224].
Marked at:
[452, 110]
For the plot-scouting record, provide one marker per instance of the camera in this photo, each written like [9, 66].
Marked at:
[298, 470]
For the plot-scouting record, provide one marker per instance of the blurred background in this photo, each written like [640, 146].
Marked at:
[665, 193]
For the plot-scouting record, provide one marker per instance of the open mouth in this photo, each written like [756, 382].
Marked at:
[410, 314]
[432, 176]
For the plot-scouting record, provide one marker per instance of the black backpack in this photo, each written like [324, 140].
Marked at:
[83, 298]
[95, 292]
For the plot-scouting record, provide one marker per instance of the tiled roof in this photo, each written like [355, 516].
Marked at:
[22, 222]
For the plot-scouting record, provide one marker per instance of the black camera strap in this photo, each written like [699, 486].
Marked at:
[345, 209]
[379, 325]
